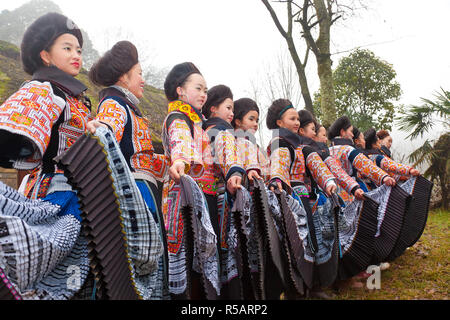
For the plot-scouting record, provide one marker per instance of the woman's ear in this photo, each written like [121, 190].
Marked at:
[179, 91]
[279, 123]
[238, 123]
[45, 56]
[123, 79]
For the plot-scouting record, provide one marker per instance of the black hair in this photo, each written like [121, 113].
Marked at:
[177, 77]
[275, 111]
[335, 129]
[216, 95]
[371, 138]
[243, 106]
[116, 62]
[306, 118]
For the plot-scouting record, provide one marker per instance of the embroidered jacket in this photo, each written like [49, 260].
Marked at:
[223, 147]
[188, 142]
[184, 140]
[395, 169]
[355, 163]
[41, 120]
[289, 161]
[132, 132]
[250, 154]
[346, 182]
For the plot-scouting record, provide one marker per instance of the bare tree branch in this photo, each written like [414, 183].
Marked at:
[275, 18]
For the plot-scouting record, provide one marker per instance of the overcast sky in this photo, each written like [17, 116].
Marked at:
[232, 41]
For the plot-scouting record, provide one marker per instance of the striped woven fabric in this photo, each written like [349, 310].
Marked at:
[124, 242]
[42, 251]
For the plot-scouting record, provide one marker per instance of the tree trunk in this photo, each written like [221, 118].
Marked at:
[327, 94]
[287, 35]
[301, 75]
[444, 191]
[323, 58]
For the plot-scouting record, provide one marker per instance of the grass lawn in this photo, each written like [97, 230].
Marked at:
[422, 272]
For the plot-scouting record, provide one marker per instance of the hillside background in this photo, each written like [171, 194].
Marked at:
[12, 27]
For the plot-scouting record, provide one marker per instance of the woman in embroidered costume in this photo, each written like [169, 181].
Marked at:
[373, 151]
[353, 160]
[41, 239]
[307, 124]
[187, 147]
[348, 186]
[368, 174]
[300, 170]
[218, 110]
[245, 123]
[120, 72]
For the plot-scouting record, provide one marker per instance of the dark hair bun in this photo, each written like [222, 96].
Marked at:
[371, 138]
[306, 118]
[216, 95]
[243, 106]
[273, 114]
[176, 78]
[116, 62]
[335, 129]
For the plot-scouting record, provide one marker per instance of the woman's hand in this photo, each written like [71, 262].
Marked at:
[359, 194]
[331, 188]
[233, 184]
[93, 125]
[278, 186]
[176, 171]
[414, 172]
[252, 174]
[388, 181]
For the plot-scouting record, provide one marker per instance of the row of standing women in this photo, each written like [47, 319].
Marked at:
[220, 217]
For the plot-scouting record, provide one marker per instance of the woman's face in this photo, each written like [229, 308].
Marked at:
[321, 135]
[361, 141]
[65, 54]
[290, 120]
[347, 133]
[194, 91]
[133, 81]
[248, 122]
[387, 142]
[224, 110]
[308, 131]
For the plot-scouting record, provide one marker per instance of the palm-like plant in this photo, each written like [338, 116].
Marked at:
[436, 153]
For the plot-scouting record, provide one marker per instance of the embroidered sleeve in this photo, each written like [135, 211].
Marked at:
[226, 153]
[183, 148]
[319, 170]
[280, 162]
[31, 112]
[341, 154]
[344, 180]
[264, 164]
[367, 169]
[112, 113]
[248, 153]
[390, 165]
